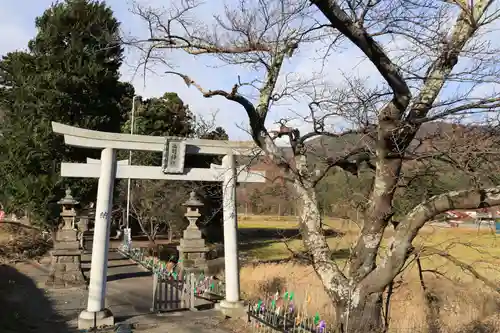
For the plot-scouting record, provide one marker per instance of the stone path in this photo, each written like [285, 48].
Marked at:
[129, 297]
[129, 287]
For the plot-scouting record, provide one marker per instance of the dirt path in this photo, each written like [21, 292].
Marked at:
[25, 306]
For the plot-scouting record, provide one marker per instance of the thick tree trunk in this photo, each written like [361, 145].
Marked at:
[356, 311]
[361, 316]
[354, 315]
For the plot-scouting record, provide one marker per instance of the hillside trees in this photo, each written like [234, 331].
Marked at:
[436, 61]
[69, 74]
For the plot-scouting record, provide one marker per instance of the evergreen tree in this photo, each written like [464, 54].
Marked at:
[69, 74]
[164, 116]
[167, 115]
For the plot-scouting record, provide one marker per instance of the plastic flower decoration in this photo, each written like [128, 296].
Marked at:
[316, 319]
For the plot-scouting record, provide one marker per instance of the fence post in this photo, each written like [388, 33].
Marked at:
[176, 292]
[192, 285]
[154, 306]
[207, 293]
[182, 285]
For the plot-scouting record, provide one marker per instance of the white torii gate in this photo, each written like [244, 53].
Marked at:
[174, 150]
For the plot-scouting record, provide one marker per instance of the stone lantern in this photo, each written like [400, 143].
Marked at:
[192, 248]
[193, 205]
[66, 256]
[68, 213]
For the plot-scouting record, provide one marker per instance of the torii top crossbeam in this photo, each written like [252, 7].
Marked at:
[79, 137]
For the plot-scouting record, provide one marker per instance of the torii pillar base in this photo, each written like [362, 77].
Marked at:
[100, 319]
[232, 309]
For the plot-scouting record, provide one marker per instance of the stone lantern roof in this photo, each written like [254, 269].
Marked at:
[193, 201]
[68, 199]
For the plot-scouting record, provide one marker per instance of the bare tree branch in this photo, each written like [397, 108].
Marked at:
[359, 36]
[415, 220]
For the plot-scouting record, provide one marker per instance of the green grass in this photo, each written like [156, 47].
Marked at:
[478, 249]
[282, 248]
[266, 222]
[282, 222]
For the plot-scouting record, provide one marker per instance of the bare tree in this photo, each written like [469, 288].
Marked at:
[419, 48]
[156, 205]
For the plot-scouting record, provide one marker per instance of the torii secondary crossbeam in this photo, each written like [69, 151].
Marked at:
[174, 149]
[215, 173]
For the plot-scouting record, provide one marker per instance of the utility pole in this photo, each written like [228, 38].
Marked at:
[132, 124]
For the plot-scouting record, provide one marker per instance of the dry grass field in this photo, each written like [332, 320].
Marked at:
[461, 303]
[19, 242]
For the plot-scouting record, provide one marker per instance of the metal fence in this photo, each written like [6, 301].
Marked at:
[209, 287]
[280, 314]
[267, 320]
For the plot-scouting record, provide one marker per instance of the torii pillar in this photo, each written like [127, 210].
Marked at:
[232, 305]
[96, 313]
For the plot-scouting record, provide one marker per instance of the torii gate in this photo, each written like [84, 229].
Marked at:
[174, 150]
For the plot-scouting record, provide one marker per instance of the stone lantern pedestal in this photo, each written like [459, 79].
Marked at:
[66, 256]
[192, 249]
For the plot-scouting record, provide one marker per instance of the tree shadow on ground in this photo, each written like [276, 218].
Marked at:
[87, 268]
[159, 239]
[25, 307]
[117, 259]
[252, 239]
[128, 275]
[301, 257]
[131, 264]
[88, 260]
[479, 327]
[265, 234]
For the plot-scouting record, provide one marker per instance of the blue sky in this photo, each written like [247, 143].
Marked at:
[17, 27]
